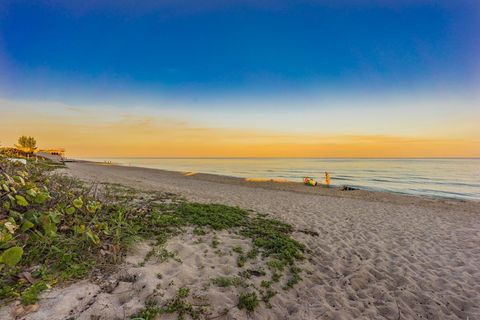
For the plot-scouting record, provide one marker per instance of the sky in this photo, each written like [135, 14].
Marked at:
[225, 78]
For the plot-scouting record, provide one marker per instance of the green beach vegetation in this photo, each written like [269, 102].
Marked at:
[55, 229]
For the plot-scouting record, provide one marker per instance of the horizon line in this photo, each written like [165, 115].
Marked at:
[173, 158]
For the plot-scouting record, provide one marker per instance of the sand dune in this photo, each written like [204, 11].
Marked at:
[376, 256]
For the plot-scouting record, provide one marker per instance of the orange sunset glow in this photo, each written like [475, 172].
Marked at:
[120, 133]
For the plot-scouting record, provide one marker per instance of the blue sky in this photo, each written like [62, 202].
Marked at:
[66, 50]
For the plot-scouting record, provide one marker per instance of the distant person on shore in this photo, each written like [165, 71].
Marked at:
[327, 179]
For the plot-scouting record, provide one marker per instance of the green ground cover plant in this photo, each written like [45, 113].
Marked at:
[248, 300]
[55, 229]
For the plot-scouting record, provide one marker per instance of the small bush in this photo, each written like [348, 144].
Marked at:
[237, 249]
[227, 281]
[248, 301]
[150, 312]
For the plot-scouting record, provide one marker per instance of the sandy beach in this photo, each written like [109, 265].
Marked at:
[239, 160]
[376, 255]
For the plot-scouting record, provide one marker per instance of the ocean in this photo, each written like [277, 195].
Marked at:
[448, 178]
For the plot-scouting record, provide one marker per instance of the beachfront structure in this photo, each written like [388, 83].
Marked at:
[56, 151]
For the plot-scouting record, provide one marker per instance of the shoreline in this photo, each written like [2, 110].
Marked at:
[294, 186]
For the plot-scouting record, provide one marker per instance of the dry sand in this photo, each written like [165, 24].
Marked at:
[377, 256]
